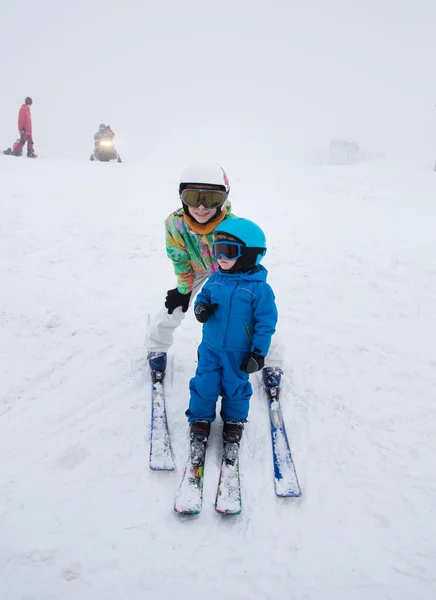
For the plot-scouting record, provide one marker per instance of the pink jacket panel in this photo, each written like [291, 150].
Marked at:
[25, 120]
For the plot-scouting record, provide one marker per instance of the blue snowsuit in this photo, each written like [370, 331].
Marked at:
[244, 322]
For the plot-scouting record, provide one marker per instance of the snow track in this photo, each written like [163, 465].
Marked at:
[352, 262]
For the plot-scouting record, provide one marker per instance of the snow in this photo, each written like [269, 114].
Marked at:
[351, 259]
[82, 264]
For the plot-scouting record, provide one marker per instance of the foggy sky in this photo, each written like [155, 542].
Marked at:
[267, 78]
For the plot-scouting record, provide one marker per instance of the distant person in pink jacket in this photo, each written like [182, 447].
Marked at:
[25, 131]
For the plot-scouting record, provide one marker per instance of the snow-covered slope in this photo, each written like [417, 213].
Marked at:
[82, 264]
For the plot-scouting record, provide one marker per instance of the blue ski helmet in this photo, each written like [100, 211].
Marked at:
[250, 234]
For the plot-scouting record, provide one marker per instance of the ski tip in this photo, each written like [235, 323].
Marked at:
[187, 512]
[228, 513]
[288, 494]
[162, 461]
[160, 468]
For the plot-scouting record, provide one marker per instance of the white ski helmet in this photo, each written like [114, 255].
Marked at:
[209, 174]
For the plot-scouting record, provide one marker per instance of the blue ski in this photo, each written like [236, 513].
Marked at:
[161, 457]
[285, 476]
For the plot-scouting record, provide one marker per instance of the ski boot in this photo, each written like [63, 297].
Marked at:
[232, 434]
[271, 377]
[158, 364]
[31, 155]
[8, 151]
[199, 431]
[16, 153]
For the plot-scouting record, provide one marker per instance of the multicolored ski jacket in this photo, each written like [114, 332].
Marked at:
[191, 251]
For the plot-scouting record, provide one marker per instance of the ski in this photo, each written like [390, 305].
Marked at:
[161, 457]
[285, 476]
[189, 497]
[228, 497]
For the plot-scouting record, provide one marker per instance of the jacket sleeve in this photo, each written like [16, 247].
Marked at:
[265, 320]
[21, 119]
[179, 256]
[203, 296]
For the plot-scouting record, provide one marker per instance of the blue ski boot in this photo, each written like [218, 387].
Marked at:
[271, 377]
[158, 364]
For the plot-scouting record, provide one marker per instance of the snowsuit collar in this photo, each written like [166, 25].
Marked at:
[259, 273]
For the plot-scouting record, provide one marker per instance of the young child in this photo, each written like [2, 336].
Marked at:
[239, 314]
[204, 191]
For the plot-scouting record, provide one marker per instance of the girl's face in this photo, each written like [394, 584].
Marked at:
[201, 213]
[225, 263]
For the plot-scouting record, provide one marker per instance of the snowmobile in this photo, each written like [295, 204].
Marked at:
[105, 151]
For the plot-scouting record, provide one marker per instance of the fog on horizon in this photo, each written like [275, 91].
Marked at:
[270, 79]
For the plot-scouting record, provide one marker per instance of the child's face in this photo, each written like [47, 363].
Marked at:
[202, 214]
[225, 263]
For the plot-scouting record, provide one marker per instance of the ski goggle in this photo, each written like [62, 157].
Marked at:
[229, 250]
[208, 198]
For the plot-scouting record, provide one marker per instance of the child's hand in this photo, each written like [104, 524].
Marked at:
[203, 311]
[252, 363]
